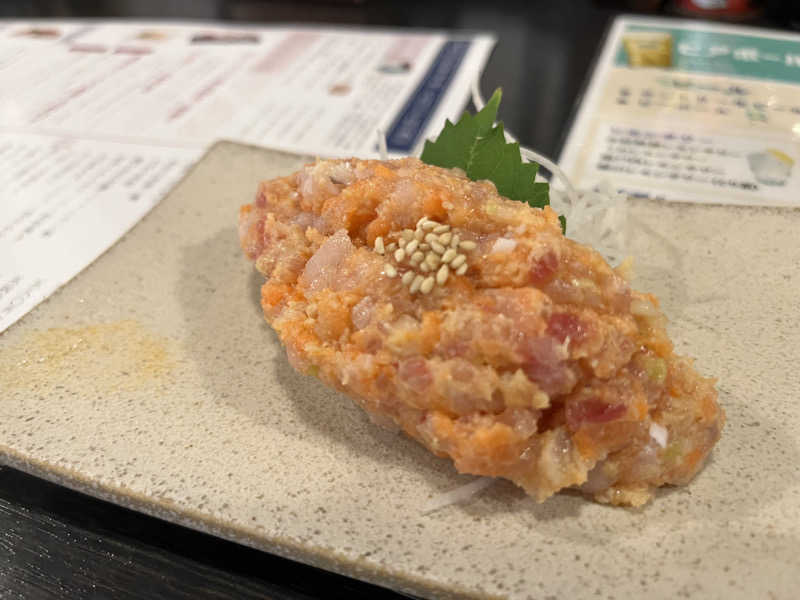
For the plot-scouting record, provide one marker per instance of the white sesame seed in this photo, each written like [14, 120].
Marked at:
[428, 225]
[458, 261]
[424, 267]
[379, 248]
[417, 257]
[419, 234]
[442, 274]
[424, 246]
[421, 221]
[391, 247]
[454, 242]
[441, 229]
[430, 238]
[462, 269]
[415, 285]
[412, 246]
[432, 260]
[427, 285]
[437, 247]
[408, 277]
[445, 238]
[467, 245]
[402, 242]
[408, 235]
[399, 255]
[390, 270]
[449, 255]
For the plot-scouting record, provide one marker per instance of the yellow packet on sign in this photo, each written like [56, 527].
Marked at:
[648, 49]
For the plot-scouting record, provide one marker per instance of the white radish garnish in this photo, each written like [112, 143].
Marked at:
[660, 434]
[459, 494]
[502, 245]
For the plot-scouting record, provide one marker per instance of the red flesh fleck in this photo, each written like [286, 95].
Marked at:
[592, 412]
[543, 269]
[564, 325]
[543, 365]
[415, 373]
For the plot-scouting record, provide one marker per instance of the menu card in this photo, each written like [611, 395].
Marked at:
[99, 119]
[691, 111]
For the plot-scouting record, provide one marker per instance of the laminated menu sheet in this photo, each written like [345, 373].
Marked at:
[693, 112]
[98, 119]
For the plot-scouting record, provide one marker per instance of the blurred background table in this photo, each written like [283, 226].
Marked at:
[58, 543]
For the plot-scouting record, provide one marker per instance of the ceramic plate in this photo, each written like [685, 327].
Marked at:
[151, 380]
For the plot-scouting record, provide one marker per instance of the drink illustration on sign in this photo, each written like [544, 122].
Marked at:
[771, 167]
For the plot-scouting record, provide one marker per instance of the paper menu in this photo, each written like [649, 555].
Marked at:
[67, 200]
[692, 111]
[307, 90]
[98, 119]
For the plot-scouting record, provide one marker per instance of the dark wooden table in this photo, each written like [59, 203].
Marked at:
[55, 543]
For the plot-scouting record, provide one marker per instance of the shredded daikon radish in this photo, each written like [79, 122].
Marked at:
[600, 219]
[459, 494]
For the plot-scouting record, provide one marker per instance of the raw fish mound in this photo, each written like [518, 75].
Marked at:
[472, 323]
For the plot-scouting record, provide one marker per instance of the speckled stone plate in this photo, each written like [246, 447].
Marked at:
[152, 380]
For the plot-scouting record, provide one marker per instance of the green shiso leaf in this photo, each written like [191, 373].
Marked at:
[478, 146]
